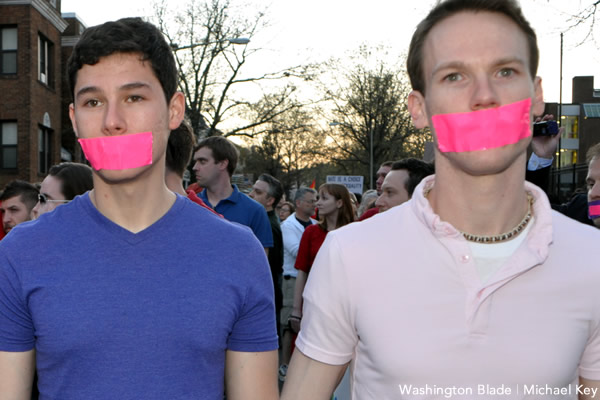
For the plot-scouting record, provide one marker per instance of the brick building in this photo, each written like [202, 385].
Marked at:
[581, 123]
[34, 126]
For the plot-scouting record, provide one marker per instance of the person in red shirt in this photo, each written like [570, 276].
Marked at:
[335, 210]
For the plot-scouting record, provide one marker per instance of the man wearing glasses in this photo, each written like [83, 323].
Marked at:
[292, 229]
[63, 183]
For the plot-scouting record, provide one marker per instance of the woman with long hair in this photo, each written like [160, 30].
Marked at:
[335, 210]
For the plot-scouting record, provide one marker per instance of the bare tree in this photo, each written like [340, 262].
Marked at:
[578, 16]
[370, 106]
[211, 39]
[288, 146]
[587, 16]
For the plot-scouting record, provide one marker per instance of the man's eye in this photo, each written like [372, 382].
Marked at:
[92, 103]
[506, 72]
[134, 98]
[453, 77]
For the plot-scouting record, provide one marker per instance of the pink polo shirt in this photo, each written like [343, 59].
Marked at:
[399, 296]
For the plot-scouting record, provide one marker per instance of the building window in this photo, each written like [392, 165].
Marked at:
[45, 57]
[570, 144]
[8, 51]
[44, 149]
[8, 145]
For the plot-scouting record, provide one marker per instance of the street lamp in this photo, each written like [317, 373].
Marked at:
[242, 40]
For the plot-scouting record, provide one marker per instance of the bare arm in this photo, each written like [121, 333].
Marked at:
[311, 379]
[16, 375]
[590, 389]
[298, 290]
[251, 376]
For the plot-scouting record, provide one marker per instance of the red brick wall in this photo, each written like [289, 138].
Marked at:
[24, 98]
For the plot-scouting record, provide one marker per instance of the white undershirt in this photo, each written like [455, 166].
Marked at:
[489, 258]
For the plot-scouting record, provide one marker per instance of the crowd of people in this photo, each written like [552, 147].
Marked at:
[149, 290]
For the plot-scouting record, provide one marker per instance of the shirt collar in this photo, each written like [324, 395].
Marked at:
[538, 239]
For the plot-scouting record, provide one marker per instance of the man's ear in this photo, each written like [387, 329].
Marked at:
[176, 110]
[416, 108]
[537, 104]
[223, 164]
[72, 117]
[270, 201]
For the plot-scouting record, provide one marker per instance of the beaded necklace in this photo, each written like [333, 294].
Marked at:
[506, 235]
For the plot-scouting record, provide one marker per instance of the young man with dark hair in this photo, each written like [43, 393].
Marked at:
[215, 161]
[483, 294]
[128, 303]
[16, 203]
[400, 183]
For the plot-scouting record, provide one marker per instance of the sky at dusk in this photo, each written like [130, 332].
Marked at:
[314, 30]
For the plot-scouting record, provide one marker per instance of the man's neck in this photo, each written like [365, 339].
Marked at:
[480, 205]
[132, 205]
[219, 191]
[302, 217]
[174, 183]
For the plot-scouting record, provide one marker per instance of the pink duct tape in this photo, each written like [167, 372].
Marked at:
[118, 152]
[594, 209]
[483, 129]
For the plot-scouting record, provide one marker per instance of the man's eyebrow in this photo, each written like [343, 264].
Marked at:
[460, 64]
[510, 60]
[86, 90]
[134, 85]
[448, 65]
[125, 87]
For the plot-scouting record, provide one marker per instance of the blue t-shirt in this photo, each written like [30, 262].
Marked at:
[118, 315]
[246, 211]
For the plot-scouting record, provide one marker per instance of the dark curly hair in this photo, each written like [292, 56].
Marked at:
[127, 35]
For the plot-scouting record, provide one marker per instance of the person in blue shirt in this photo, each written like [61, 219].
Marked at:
[131, 291]
[215, 160]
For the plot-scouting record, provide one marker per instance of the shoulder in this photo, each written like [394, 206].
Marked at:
[573, 231]
[290, 222]
[252, 204]
[314, 230]
[33, 239]
[203, 218]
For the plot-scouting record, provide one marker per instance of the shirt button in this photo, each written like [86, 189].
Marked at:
[465, 258]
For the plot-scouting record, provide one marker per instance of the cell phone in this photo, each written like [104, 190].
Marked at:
[545, 128]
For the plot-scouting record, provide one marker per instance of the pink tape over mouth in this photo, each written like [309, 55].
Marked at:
[483, 129]
[118, 152]
[594, 209]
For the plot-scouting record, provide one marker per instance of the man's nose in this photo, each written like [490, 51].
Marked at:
[114, 121]
[484, 94]
[594, 192]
